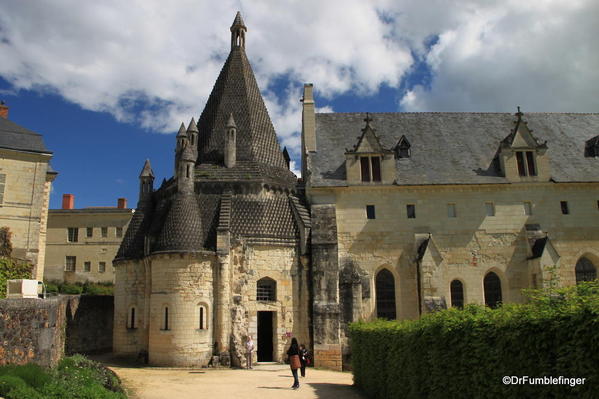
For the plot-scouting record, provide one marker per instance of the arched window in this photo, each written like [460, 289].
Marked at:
[131, 320]
[165, 319]
[385, 295]
[492, 286]
[203, 317]
[266, 289]
[585, 270]
[457, 294]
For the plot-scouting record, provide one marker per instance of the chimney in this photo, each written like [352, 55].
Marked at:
[68, 201]
[122, 203]
[3, 110]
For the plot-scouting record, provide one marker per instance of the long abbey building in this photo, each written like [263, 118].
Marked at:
[398, 214]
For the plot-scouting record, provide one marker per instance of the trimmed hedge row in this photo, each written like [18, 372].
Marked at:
[466, 353]
[12, 269]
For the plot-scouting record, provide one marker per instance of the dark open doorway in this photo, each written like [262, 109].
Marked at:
[265, 329]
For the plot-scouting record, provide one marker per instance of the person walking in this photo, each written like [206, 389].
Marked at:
[294, 361]
[249, 345]
[304, 359]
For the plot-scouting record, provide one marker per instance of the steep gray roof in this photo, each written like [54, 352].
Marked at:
[454, 148]
[15, 137]
[236, 92]
[182, 228]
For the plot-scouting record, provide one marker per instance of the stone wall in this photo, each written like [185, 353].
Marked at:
[37, 330]
[89, 324]
[32, 330]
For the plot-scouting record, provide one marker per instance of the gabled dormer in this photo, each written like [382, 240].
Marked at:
[368, 162]
[521, 156]
[403, 148]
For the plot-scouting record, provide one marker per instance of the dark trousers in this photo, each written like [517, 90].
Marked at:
[295, 379]
[249, 360]
[303, 369]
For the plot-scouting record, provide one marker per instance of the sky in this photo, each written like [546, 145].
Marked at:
[107, 83]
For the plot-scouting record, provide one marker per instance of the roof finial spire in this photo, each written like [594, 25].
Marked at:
[368, 119]
[519, 114]
[238, 30]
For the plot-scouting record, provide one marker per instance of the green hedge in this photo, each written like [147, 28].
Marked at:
[11, 269]
[75, 377]
[465, 353]
[86, 288]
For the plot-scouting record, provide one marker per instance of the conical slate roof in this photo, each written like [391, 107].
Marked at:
[236, 93]
[182, 228]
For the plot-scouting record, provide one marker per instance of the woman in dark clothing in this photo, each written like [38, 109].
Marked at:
[304, 359]
[294, 361]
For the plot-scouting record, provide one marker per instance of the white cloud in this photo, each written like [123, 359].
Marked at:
[155, 65]
[492, 56]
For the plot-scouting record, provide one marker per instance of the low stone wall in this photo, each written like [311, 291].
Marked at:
[32, 330]
[41, 330]
[328, 356]
[89, 324]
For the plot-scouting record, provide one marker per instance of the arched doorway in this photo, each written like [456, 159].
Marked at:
[385, 295]
[457, 294]
[585, 270]
[492, 285]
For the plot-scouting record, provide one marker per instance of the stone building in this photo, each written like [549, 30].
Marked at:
[218, 251]
[25, 180]
[81, 243]
[413, 212]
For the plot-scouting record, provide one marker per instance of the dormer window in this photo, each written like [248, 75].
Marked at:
[370, 168]
[526, 163]
[402, 149]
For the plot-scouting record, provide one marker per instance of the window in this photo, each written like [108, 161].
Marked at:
[597, 204]
[104, 232]
[72, 234]
[451, 212]
[70, 263]
[131, 321]
[370, 213]
[585, 270]
[266, 289]
[119, 232]
[527, 208]
[492, 286]
[370, 168]
[564, 206]
[165, 321]
[385, 295]
[490, 208]
[526, 163]
[87, 266]
[2, 185]
[102, 267]
[89, 232]
[411, 211]
[203, 318]
[457, 294]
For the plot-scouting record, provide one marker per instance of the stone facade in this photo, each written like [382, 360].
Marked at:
[25, 181]
[390, 237]
[93, 252]
[218, 252]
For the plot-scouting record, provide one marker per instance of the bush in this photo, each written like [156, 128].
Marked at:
[12, 269]
[98, 288]
[465, 353]
[75, 377]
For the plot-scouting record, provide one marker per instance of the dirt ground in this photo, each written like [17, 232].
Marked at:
[262, 382]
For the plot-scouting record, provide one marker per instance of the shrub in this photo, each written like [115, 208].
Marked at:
[12, 269]
[98, 288]
[71, 289]
[32, 374]
[465, 353]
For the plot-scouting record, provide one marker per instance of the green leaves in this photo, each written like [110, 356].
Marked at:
[465, 353]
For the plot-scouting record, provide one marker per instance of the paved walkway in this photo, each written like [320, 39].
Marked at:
[263, 382]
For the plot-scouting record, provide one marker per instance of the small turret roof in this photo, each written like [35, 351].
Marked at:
[193, 127]
[231, 121]
[238, 22]
[188, 154]
[147, 170]
[182, 131]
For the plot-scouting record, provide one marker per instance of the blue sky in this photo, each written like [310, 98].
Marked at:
[108, 83]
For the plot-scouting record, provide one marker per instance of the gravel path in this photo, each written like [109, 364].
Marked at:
[263, 382]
